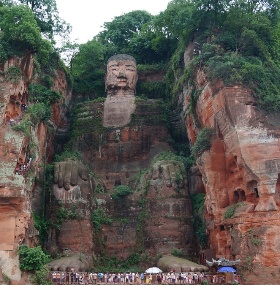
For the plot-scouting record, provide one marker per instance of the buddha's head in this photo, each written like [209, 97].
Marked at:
[121, 77]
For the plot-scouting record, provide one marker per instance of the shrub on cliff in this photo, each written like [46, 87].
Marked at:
[32, 259]
[41, 277]
[203, 142]
[39, 112]
[99, 217]
[41, 94]
[120, 192]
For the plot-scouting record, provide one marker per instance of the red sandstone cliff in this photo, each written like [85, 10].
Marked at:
[241, 171]
[17, 187]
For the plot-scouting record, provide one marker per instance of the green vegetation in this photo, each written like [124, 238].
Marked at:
[99, 217]
[13, 74]
[88, 70]
[6, 279]
[229, 213]
[87, 121]
[153, 113]
[255, 240]
[112, 264]
[41, 225]
[203, 142]
[41, 94]
[38, 112]
[42, 277]
[120, 192]
[70, 213]
[237, 42]
[14, 20]
[177, 252]
[68, 154]
[47, 18]
[198, 201]
[40, 221]
[31, 259]
[24, 127]
[153, 90]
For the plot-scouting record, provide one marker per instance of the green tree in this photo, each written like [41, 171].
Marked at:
[39, 112]
[20, 28]
[177, 20]
[47, 17]
[121, 192]
[118, 33]
[88, 69]
[41, 94]
[152, 44]
[31, 259]
[41, 277]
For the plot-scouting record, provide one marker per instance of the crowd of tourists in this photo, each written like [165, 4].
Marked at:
[73, 277]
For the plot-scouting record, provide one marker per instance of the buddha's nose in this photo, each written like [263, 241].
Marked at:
[122, 73]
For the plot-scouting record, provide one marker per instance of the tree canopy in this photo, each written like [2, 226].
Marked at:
[118, 33]
[88, 69]
[19, 28]
[47, 17]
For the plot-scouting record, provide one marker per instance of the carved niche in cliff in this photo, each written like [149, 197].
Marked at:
[120, 83]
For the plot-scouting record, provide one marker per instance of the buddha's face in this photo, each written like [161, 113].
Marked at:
[121, 77]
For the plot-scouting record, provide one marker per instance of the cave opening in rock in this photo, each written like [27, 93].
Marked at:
[253, 195]
[239, 196]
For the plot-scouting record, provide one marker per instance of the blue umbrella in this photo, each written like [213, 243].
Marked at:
[226, 269]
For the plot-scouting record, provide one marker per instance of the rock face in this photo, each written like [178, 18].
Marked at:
[92, 208]
[240, 174]
[156, 217]
[20, 157]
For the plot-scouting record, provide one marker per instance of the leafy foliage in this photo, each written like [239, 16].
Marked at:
[41, 225]
[250, 71]
[42, 277]
[88, 70]
[13, 21]
[113, 264]
[177, 252]
[24, 127]
[118, 33]
[47, 17]
[229, 213]
[68, 154]
[203, 142]
[13, 74]
[38, 112]
[99, 217]
[31, 259]
[198, 201]
[41, 94]
[121, 192]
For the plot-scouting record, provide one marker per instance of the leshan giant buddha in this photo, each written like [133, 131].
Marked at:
[120, 83]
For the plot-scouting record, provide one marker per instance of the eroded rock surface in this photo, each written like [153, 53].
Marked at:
[21, 158]
[240, 170]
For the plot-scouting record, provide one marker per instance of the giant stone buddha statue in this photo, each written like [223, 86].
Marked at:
[120, 84]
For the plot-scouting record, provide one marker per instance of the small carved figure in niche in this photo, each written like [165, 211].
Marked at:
[121, 77]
